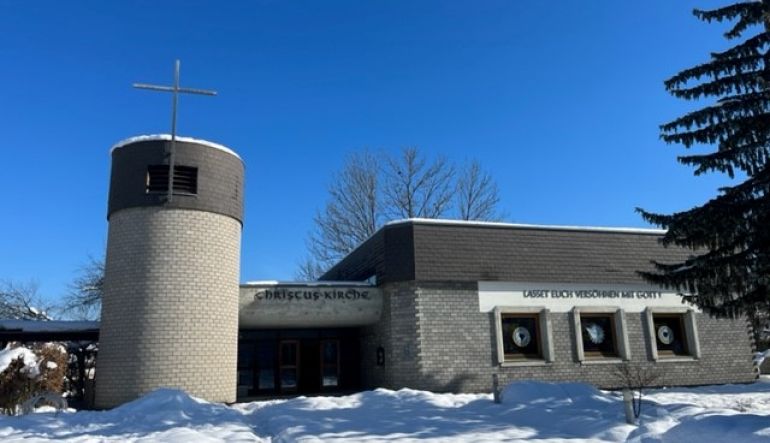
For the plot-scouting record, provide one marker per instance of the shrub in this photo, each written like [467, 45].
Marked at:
[25, 377]
[636, 378]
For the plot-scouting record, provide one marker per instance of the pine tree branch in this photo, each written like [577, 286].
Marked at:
[726, 109]
[716, 132]
[752, 46]
[745, 157]
[747, 13]
[746, 82]
[716, 69]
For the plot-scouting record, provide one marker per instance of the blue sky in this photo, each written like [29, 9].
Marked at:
[559, 100]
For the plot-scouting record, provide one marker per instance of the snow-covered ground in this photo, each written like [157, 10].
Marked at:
[530, 411]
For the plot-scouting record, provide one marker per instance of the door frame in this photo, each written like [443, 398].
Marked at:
[296, 366]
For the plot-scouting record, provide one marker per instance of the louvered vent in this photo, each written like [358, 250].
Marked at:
[185, 179]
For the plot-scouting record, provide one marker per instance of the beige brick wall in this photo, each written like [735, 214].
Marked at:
[170, 308]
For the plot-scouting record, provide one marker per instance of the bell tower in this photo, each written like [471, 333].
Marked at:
[170, 306]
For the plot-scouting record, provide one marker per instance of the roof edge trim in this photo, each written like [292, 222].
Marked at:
[429, 221]
[310, 284]
[167, 137]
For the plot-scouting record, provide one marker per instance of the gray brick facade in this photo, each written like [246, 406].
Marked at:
[396, 333]
[435, 338]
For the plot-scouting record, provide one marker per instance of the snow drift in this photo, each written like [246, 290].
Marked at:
[529, 411]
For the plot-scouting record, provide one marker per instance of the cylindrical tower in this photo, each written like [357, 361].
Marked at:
[170, 307]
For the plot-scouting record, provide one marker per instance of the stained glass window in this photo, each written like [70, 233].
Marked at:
[521, 336]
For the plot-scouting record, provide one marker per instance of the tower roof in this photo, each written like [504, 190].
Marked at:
[151, 137]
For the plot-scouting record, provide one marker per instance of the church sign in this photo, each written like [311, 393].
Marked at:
[294, 305]
[591, 293]
[562, 297]
[312, 294]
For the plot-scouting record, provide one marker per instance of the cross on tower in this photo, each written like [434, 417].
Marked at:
[175, 90]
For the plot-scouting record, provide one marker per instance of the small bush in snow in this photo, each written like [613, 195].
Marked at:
[636, 378]
[30, 372]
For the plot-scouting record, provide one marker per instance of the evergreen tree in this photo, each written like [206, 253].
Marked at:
[728, 272]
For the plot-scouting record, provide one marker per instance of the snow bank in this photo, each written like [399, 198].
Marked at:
[530, 411]
[544, 412]
[738, 413]
[534, 392]
[174, 410]
[163, 415]
[31, 367]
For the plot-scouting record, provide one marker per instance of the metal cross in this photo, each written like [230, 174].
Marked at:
[175, 90]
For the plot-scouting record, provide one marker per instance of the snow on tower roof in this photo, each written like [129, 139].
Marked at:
[151, 137]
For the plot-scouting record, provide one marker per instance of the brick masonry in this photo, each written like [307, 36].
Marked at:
[435, 338]
[396, 334]
[170, 308]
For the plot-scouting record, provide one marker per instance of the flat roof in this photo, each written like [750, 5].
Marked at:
[459, 250]
[488, 224]
[48, 325]
[28, 331]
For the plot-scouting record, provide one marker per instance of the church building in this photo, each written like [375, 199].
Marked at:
[428, 304]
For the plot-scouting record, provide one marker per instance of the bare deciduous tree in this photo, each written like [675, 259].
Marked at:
[309, 269]
[20, 301]
[414, 189]
[477, 194]
[373, 189]
[351, 214]
[636, 377]
[84, 300]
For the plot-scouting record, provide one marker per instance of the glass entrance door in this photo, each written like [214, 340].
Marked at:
[265, 367]
[288, 359]
[330, 364]
[302, 361]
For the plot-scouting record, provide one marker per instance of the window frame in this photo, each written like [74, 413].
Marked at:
[619, 329]
[689, 327]
[545, 335]
[538, 333]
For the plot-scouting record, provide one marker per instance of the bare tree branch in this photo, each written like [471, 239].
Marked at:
[309, 269]
[20, 301]
[415, 190]
[477, 194]
[351, 214]
[636, 378]
[84, 301]
[371, 190]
